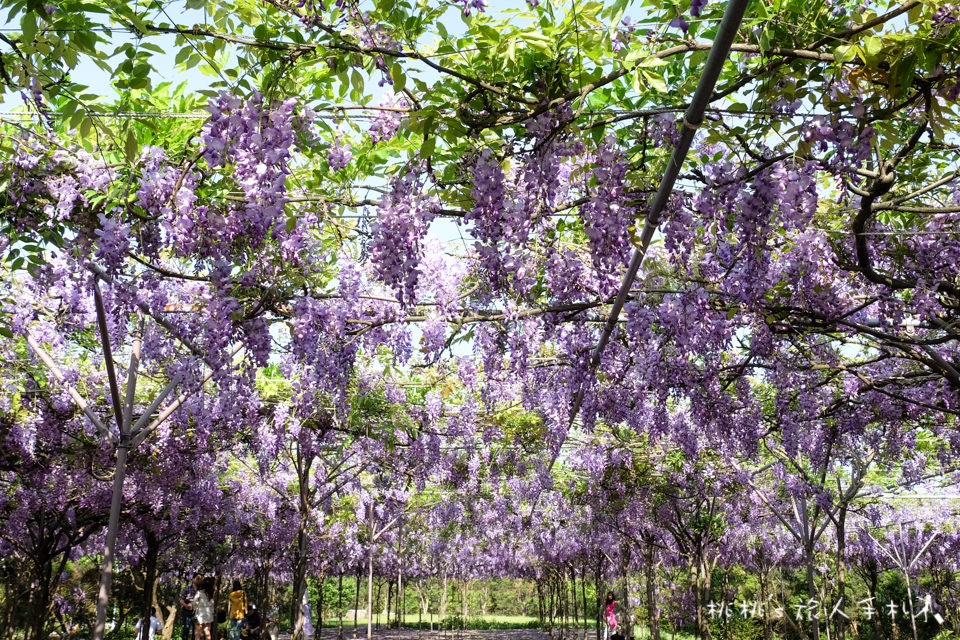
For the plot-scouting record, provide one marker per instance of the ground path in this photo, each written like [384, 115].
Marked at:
[426, 634]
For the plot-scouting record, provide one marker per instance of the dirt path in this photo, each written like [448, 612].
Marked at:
[413, 634]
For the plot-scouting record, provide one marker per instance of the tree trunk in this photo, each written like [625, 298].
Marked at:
[299, 581]
[812, 590]
[551, 607]
[340, 606]
[702, 589]
[763, 598]
[841, 570]
[627, 610]
[540, 604]
[106, 568]
[217, 588]
[356, 602]
[40, 597]
[597, 575]
[168, 621]
[653, 609]
[583, 598]
[320, 580]
[443, 598]
[370, 589]
[389, 602]
[576, 608]
[149, 582]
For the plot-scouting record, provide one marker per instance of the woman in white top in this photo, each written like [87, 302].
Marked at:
[203, 609]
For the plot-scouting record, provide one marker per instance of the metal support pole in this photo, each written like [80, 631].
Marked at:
[123, 414]
[108, 355]
[692, 120]
[106, 568]
[77, 398]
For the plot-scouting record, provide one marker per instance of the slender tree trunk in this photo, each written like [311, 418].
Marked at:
[356, 602]
[726, 589]
[399, 600]
[419, 609]
[597, 576]
[841, 570]
[764, 576]
[300, 560]
[340, 606]
[443, 598]
[540, 603]
[379, 603]
[583, 598]
[215, 630]
[653, 608]
[812, 590]
[370, 590]
[576, 608]
[552, 608]
[872, 588]
[113, 525]
[149, 582]
[321, 581]
[627, 610]
[389, 602]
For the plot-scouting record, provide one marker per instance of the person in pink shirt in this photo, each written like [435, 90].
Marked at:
[610, 616]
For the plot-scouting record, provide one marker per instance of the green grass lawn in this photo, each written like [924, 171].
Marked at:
[411, 620]
[492, 622]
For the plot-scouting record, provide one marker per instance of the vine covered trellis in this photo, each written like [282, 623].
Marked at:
[645, 294]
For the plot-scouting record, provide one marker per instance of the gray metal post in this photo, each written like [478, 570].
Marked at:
[692, 120]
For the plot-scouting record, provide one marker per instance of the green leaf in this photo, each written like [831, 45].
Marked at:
[29, 26]
[489, 33]
[902, 74]
[537, 41]
[650, 63]
[356, 81]
[399, 80]
[655, 80]
[428, 146]
[872, 45]
[130, 147]
[765, 41]
[846, 52]
[596, 133]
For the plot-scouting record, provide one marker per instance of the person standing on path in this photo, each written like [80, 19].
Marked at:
[186, 608]
[238, 609]
[610, 615]
[155, 626]
[203, 608]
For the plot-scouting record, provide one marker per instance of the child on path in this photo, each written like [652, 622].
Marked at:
[610, 616]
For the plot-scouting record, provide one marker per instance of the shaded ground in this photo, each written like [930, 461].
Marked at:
[426, 634]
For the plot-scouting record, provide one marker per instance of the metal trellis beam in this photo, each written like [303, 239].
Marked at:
[692, 119]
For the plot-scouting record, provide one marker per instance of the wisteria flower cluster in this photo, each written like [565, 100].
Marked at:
[403, 217]
[257, 140]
